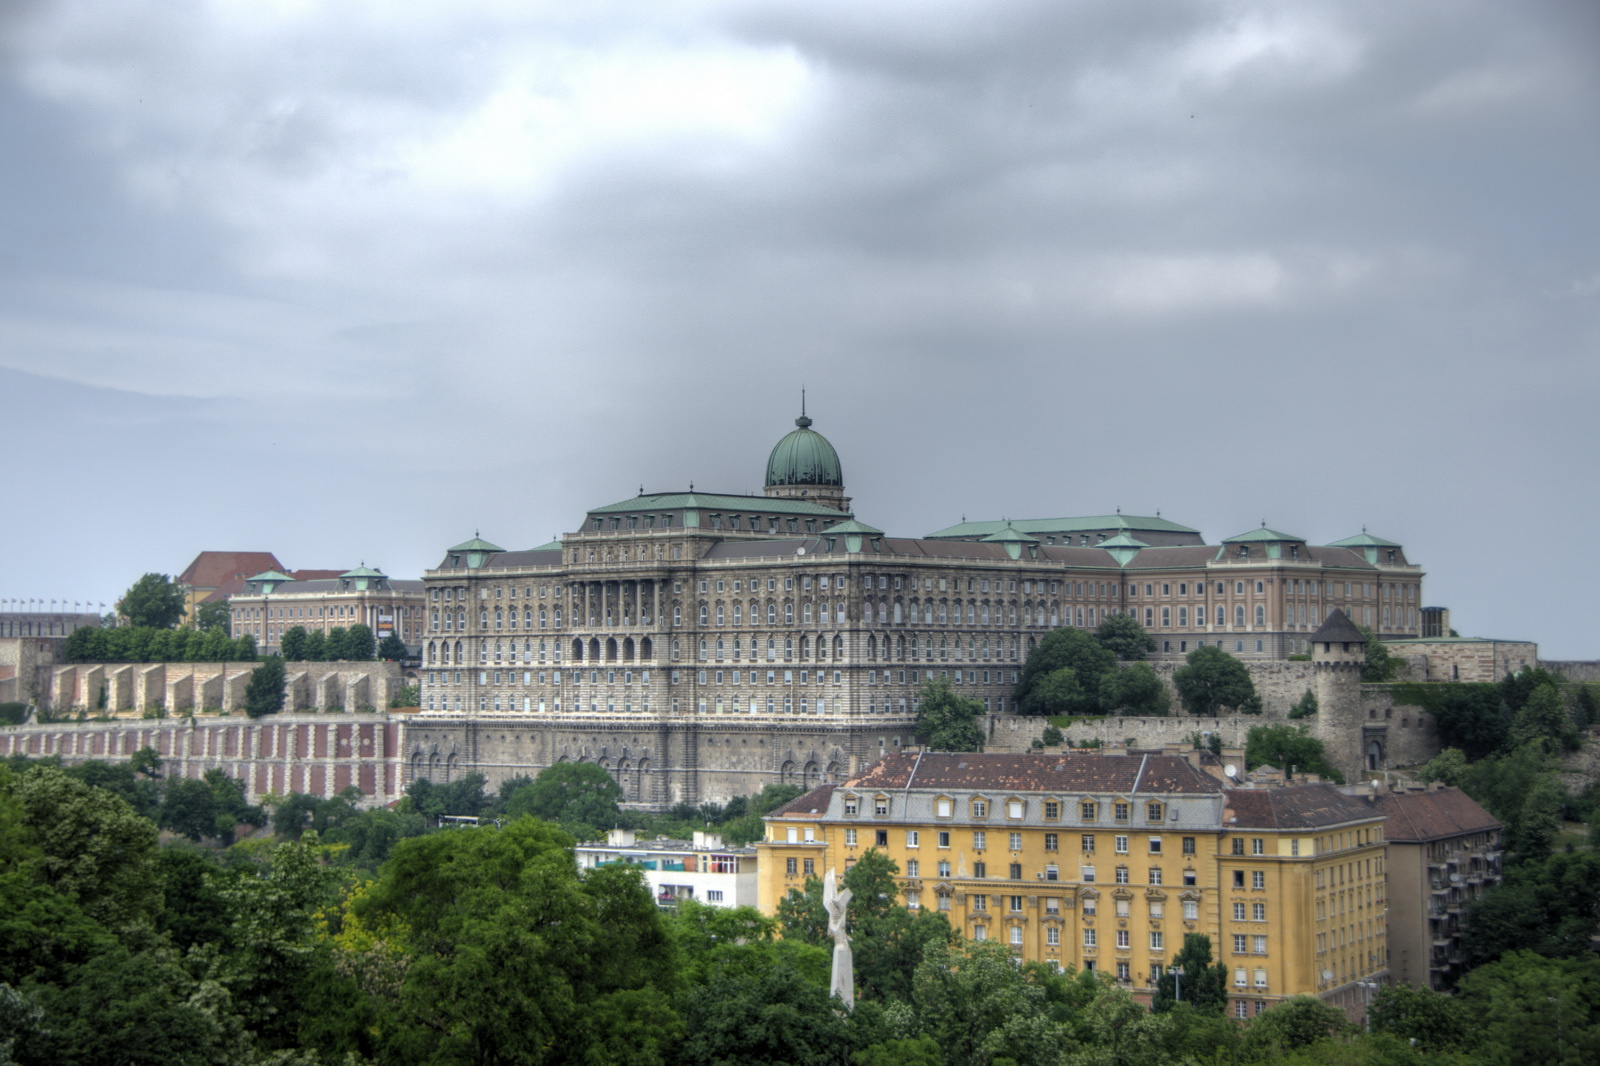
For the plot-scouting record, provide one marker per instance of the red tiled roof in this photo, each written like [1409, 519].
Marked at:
[210, 569]
[813, 803]
[1037, 773]
[1296, 807]
[1418, 816]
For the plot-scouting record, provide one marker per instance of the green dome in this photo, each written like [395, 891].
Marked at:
[804, 457]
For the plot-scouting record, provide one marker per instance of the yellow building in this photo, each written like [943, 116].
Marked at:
[1105, 862]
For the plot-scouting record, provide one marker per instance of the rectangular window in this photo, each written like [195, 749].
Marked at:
[1016, 841]
[1155, 875]
[980, 839]
[1258, 879]
[1258, 846]
[944, 838]
[1155, 845]
[1120, 811]
[1088, 938]
[1241, 944]
[1122, 875]
[1052, 810]
[980, 870]
[1124, 938]
[944, 869]
[1122, 845]
[1089, 810]
[1051, 841]
[1052, 936]
[791, 866]
[913, 868]
[1259, 945]
[1087, 843]
[1191, 910]
[1188, 845]
[1238, 912]
[912, 838]
[1258, 912]
[882, 838]
[850, 838]
[1087, 874]
[1157, 941]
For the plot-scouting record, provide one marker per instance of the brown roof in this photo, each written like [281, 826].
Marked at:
[1419, 816]
[1297, 807]
[1037, 773]
[210, 569]
[312, 575]
[814, 802]
[1339, 629]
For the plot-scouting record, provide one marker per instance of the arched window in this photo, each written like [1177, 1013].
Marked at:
[772, 612]
[1238, 615]
[788, 614]
[677, 614]
[1261, 614]
[705, 614]
[738, 614]
[838, 648]
[805, 613]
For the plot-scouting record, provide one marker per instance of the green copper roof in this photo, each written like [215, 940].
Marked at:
[551, 546]
[270, 575]
[363, 571]
[708, 501]
[1062, 525]
[1256, 536]
[1122, 540]
[804, 457]
[1010, 535]
[477, 544]
[852, 526]
[1363, 540]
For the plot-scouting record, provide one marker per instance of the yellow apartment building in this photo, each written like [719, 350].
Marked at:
[1105, 862]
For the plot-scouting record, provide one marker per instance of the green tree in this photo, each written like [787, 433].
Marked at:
[293, 644]
[947, 720]
[1380, 664]
[1065, 649]
[1429, 1020]
[773, 1015]
[189, 809]
[981, 1008]
[1549, 907]
[1449, 767]
[152, 601]
[1213, 680]
[319, 646]
[393, 649]
[1124, 637]
[215, 614]
[1532, 1009]
[408, 696]
[358, 643]
[1289, 748]
[1060, 693]
[1305, 707]
[264, 692]
[1544, 720]
[1203, 985]
[511, 957]
[886, 937]
[1294, 1023]
[1050, 737]
[579, 795]
[1134, 690]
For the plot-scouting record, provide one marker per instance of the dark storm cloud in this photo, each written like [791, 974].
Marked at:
[1324, 264]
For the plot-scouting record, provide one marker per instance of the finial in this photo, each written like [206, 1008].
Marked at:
[1363, 527]
[641, 488]
[803, 422]
[691, 486]
[1263, 523]
[1119, 508]
[1158, 512]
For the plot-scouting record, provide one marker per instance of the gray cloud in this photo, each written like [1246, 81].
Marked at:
[350, 281]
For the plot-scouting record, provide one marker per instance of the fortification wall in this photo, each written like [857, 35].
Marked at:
[176, 688]
[658, 761]
[318, 754]
[1573, 669]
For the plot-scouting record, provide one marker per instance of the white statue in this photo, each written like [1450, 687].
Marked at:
[844, 971]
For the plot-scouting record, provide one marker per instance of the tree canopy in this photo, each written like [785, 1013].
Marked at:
[1213, 680]
[1074, 650]
[1290, 748]
[154, 600]
[947, 720]
[1124, 637]
[263, 694]
[579, 796]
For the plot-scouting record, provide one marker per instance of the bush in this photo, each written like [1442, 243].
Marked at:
[13, 713]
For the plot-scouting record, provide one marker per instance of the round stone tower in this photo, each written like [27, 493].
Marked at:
[1354, 745]
[803, 465]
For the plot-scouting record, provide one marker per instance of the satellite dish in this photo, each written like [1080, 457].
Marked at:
[1231, 770]
[800, 550]
[1376, 784]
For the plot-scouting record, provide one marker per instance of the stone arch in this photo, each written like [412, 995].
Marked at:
[577, 650]
[813, 776]
[786, 772]
[647, 648]
[594, 648]
[627, 649]
[1375, 754]
[611, 649]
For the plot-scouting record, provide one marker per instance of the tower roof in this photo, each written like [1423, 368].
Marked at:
[1339, 629]
[804, 457]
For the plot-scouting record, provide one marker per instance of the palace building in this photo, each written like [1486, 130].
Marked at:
[1106, 861]
[273, 602]
[787, 606]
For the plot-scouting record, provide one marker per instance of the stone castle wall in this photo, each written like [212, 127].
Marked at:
[1351, 718]
[176, 688]
[318, 754]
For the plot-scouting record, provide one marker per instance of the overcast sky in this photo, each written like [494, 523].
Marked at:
[348, 281]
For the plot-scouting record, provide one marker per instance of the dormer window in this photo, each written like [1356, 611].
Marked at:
[1244, 551]
[852, 805]
[880, 805]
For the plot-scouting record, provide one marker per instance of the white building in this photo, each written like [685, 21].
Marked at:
[703, 869]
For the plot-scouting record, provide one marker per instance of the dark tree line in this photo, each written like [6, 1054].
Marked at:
[145, 644]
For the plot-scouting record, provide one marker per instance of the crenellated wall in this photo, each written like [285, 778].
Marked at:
[176, 688]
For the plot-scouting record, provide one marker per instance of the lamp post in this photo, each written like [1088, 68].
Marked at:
[1177, 983]
[1366, 1007]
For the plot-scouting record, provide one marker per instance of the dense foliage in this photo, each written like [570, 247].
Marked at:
[947, 720]
[155, 600]
[1075, 672]
[1290, 748]
[145, 644]
[339, 644]
[360, 937]
[1212, 681]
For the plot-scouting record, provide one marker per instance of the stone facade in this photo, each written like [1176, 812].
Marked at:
[1464, 658]
[177, 688]
[317, 754]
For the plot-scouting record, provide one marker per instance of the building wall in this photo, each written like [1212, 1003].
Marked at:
[317, 754]
[176, 688]
[1314, 898]
[1465, 659]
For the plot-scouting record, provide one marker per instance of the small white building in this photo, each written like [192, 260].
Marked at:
[704, 869]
